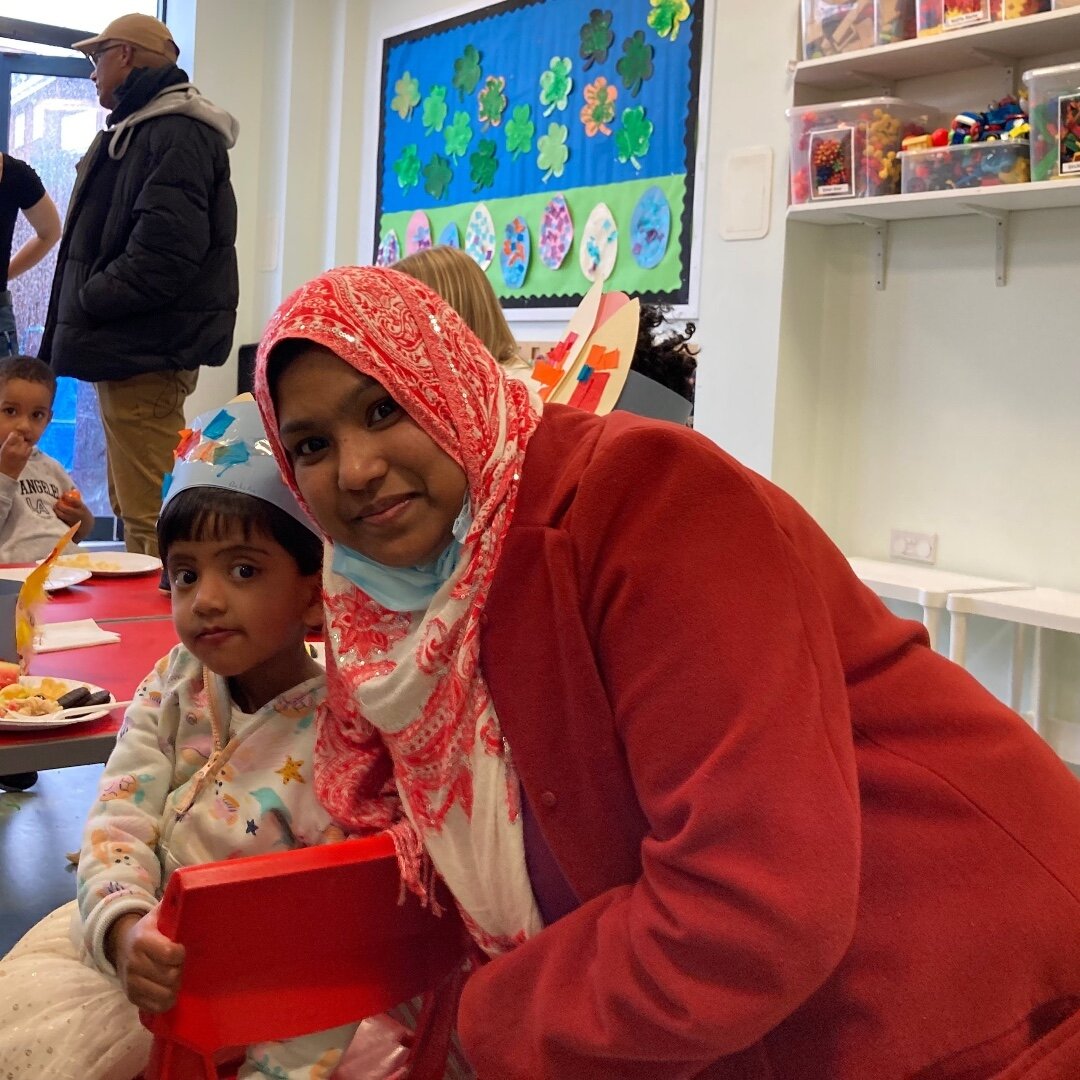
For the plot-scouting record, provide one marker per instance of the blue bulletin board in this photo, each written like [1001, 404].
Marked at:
[554, 140]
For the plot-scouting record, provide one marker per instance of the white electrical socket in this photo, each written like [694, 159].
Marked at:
[915, 546]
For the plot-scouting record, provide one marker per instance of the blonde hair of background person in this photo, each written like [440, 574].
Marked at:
[465, 287]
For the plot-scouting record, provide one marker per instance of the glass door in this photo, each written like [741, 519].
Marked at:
[49, 113]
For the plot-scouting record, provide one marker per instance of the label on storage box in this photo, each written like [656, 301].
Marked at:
[833, 9]
[1069, 134]
[965, 13]
[831, 164]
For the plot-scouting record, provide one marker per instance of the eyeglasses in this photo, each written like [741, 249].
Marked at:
[97, 54]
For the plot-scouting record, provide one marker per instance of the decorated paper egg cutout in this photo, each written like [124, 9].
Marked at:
[599, 244]
[515, 252]
[417, 233]
[556, 233]
[389, 249]
[450, 237]
[480, 236]
[650, 228]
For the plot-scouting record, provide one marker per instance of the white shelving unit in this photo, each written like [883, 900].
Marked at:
[1048, 195]
[1000, 44]
[924, 585]
[1043, 609]
[991, 43]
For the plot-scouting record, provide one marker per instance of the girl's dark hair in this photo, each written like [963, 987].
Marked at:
[670, 361]
[210, 513]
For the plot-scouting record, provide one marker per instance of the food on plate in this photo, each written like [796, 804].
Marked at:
[31, 705]
[87, 562]
[9, 673]
[49, 696]
[73, 698]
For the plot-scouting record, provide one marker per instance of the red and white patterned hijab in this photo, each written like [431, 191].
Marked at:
[410, 683]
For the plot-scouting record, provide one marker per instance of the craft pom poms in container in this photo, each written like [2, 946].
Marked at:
[851, 149]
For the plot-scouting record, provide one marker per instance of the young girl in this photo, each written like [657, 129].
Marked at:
[709, 807]
[214, 761]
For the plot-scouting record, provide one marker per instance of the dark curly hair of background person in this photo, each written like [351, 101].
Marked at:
[671, 360]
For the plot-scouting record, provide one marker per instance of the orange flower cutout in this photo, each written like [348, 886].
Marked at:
[599, 108]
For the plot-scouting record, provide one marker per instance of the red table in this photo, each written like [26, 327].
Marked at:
[131, 607]
[108, 599]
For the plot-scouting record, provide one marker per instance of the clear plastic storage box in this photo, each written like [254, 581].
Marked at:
[835, 26]
[1054, 107]
[969, 165]
[935, 16]
[850, 149]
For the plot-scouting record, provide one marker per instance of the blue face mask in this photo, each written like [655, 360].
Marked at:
[403, 588]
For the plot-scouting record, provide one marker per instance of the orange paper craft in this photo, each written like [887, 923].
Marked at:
[546, 374]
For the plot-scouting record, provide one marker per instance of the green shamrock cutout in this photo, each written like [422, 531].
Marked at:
[467, 72]
[667, 16]
[437, 176]
[553, 150]
[632, 138]
[556, 84]
[407, 167]
[458, 135]
[483, 165]
[636, 64]
[491, 101]
[520, 130]
[406, 96]
[596, 38]
[435, 110]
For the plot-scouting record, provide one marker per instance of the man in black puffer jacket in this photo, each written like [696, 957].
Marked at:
[146, 283]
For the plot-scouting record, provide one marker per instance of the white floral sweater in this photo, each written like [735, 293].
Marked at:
[175, 792]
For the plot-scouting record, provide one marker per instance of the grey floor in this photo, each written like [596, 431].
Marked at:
[37, 827]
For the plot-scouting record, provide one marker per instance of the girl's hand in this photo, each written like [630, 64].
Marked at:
[70, 508]
[148, 964]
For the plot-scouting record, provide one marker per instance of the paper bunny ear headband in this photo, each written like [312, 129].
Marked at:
[590, 367]
[228, 448]
[587, 368]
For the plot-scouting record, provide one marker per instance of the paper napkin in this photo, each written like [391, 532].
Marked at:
[80, 634]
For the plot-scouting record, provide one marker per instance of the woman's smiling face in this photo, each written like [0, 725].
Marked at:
[375, 481]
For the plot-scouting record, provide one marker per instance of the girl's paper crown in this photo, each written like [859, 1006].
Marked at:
[228, 448]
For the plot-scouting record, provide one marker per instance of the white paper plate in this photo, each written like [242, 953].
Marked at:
[43, 723]
[112, 563]
[60, 577]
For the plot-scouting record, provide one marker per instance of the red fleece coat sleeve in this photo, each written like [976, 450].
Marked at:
[721, 668]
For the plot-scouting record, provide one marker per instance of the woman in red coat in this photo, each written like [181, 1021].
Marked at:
[708, 807]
